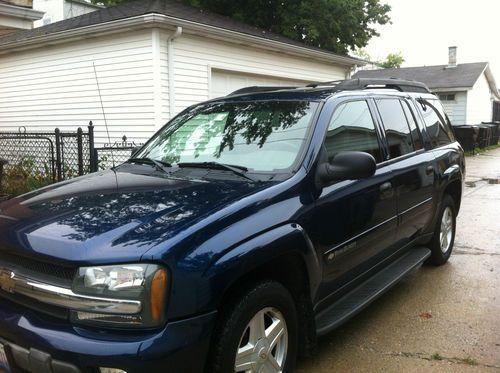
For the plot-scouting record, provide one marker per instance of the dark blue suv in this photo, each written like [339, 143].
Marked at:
[245, 228]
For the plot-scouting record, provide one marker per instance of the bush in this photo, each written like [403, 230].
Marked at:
[24, 177]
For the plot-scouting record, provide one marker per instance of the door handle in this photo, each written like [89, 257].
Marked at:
[386, 190]
[429, 170]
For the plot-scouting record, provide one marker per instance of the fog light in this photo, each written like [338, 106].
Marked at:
[111, 370]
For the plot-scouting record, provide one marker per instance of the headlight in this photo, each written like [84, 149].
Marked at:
[144, 283]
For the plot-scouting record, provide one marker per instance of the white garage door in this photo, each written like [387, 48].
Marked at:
[224, 82]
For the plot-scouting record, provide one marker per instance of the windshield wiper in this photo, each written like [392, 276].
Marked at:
[237, 170]
[159, 165]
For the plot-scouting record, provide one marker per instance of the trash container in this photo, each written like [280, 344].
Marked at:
[467, 136]
[495, 131]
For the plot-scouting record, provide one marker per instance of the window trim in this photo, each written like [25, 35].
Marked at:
[373, 115]
[388, 154]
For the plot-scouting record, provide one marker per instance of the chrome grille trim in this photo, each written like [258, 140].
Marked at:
[64, 297]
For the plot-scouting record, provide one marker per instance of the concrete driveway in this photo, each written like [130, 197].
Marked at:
[438, 319]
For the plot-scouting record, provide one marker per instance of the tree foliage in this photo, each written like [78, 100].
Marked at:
[336, 25]
[393, 60]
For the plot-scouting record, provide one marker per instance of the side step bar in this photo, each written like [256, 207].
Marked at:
[367, 292]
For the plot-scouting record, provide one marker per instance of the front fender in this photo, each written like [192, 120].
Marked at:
[258, 251]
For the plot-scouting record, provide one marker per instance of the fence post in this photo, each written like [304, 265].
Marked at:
[93, 153]
[79, 140]
[58, 155]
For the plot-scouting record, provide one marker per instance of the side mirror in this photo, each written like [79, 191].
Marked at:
[347, 166]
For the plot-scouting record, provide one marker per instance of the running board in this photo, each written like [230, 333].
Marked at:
[367, 292]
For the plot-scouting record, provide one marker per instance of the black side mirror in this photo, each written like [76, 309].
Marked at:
[347, 166]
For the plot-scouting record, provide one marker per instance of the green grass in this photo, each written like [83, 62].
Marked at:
[436, 356]
[478, 151]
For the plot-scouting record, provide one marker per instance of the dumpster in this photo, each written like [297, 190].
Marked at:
[467, 136]
[495, 131]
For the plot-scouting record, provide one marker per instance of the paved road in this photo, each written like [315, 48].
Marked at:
[444, 319]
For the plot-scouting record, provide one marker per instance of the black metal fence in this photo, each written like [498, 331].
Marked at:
[46, 157]
[57, 155]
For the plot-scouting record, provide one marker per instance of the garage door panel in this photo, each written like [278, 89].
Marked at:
[225, 82]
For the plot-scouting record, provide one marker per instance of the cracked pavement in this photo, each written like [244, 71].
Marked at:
[437, 319]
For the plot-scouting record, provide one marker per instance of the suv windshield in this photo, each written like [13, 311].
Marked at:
[260, 136]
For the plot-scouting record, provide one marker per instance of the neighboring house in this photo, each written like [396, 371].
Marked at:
[17, 15]
[58, 10]
[153, 59]
[468, 91]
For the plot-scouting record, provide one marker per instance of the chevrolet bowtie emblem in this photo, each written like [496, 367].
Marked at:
[7, 282]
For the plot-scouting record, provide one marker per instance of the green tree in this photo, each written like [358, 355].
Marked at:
[336, 25]
[393, 60]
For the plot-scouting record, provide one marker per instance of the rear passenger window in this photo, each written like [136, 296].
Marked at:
[415, 133]
[438, 128]
[352, 129]
[397, 130]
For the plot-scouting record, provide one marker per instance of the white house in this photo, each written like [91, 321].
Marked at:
[17, 15]
[468, 91]
[58, 10]
[152, 59]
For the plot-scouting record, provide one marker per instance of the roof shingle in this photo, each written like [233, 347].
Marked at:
[169, 8]
[463, 75]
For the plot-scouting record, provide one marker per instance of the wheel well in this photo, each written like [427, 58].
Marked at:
[290, 271]
[454, 189]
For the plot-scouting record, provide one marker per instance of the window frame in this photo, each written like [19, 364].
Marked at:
[388, 159]
[373, 114]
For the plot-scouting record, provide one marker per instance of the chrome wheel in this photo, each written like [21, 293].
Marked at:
[446, 232]
[264, 343]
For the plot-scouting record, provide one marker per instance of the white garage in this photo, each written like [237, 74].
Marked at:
[224, 82]
[150, 64]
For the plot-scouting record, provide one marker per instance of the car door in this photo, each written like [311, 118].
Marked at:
[353, 221]
[412, 167]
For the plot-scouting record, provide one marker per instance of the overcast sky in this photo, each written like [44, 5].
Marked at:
[422, 30]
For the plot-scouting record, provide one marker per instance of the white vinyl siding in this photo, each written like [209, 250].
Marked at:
[55, 86]
[456, 109]
[196, 57]
[479, 102]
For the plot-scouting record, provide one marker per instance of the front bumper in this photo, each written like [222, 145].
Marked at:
[58, 346]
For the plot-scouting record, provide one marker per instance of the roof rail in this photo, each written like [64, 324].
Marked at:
[257, 89]
[391, 83]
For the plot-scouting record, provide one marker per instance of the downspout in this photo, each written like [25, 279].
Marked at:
[171, 70]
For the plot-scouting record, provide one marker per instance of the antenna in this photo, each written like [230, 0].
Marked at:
[104, 115]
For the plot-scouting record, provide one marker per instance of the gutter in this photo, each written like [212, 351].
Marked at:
[163, 21]
[171, 70]
[20, 12]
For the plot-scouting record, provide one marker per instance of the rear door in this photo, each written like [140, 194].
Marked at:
[412, 166]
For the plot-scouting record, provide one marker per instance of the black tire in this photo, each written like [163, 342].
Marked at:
[440, 256]
[232, 329]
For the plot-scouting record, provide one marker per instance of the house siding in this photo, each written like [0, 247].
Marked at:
[196, 56]
[457, 109]
[479, 103]
[56, 87]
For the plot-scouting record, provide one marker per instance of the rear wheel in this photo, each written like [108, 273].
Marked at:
[441, 244]
[258, 333]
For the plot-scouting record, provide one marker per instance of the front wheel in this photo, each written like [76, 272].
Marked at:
[441, 244]
[258, 333]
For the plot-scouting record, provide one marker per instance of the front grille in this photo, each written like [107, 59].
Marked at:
[54, 273]
[48, 309]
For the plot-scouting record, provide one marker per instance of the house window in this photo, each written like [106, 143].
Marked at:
[447, 97]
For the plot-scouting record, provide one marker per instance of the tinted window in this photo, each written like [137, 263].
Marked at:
[396, 126]
[438, 128]
[261, 136]
[415, 133]
[352, 129]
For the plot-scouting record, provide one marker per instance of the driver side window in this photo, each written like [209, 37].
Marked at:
[352, 129]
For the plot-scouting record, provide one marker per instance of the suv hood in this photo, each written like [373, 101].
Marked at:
[111, 216]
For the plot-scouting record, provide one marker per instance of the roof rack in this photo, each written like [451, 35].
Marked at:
[257, 89]
[391, 83]
[348, 85]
